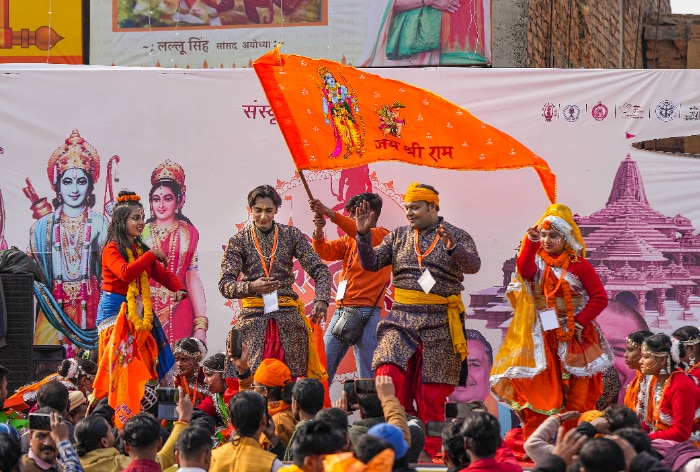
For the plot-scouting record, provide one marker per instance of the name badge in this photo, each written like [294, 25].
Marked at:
[270, 301]
[426, 281]
[340, 293]
[549, 319]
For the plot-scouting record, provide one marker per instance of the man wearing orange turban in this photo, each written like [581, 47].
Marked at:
[421, 341]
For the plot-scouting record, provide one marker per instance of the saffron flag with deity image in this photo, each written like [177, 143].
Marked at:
[334, 116]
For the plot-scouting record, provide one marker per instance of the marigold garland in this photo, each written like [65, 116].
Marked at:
[550, 286]
[128, 198]
[145, 324]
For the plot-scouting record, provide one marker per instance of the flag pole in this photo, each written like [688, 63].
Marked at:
[306, 184]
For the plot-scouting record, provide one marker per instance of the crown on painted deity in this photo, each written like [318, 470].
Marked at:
[76, 153]
[322, 71]
[169, 170]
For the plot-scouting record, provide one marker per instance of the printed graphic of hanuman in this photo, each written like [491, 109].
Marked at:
[341, 112]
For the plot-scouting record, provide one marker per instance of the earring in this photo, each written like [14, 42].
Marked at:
[668, 364]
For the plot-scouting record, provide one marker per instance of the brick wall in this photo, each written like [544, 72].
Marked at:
[586, 33]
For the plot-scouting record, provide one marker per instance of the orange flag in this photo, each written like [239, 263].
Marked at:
[125, 366]
[334, 116]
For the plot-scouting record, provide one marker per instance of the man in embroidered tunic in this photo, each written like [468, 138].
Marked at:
[271, 318]
[421, 341]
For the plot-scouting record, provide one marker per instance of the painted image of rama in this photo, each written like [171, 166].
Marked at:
[342, 113]
[390, 121]
[66, 240]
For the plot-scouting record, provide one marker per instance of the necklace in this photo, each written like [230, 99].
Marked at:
[146, 323]
[428, 251]
[258, 248]
[71, 241]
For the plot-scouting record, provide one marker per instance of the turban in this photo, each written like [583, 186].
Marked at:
[414, 193]
[272, 373]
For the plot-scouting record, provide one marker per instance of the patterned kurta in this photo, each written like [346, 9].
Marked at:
[406, 326]
[241, 259]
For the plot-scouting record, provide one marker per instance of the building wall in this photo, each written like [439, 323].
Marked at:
[571, 33]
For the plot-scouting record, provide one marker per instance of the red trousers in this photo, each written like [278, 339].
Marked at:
[430, 398]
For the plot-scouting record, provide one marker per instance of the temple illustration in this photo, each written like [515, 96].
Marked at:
[645, 259]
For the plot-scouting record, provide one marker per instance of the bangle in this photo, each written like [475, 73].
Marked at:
[244, 375]
[183, 421]
[201, 322]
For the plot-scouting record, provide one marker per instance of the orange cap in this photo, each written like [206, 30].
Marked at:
[272, 373]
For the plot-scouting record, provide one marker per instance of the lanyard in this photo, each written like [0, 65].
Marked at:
[548, 272]
[259, 249]
[425, 254]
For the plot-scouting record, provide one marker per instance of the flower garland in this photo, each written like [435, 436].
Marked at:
[145, 324]
[128, 198]
[550, 288]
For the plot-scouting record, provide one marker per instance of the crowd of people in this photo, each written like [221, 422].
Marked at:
[141, 403]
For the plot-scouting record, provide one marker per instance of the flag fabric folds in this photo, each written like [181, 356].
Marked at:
[127, 360]
[334, 116]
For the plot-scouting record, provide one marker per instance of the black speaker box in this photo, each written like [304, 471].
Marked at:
[19, 305]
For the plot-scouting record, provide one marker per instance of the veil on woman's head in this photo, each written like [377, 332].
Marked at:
[560, 218]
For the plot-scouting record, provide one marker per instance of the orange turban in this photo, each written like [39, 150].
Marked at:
[272, 373]
[414, 193]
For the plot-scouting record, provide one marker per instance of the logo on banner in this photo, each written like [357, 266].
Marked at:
[628, 110]
[599, 112]
[666, 110]
[571, 113]
[693, 114]
[549, 111]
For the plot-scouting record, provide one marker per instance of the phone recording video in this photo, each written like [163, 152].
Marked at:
[168, 397]
[463, 410]
[40, 421]
[434, 429]
[365, 386]
[235, 347]
[349, 389]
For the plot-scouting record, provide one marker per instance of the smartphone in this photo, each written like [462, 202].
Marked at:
[40, 421]
[365, 386]
[349, 388]
[235, 345]
[462, 410]
[434, 428]
[168, 397]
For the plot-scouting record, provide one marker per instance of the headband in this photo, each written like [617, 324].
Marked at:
[414, 193]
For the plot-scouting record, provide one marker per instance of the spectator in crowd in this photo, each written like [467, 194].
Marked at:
[483, 443]
[312, 441]
[453, 452]
[77, 408]
[336, 418]
[45, 447]
[243, 453]
[273, 380]
[382, 407]
[193, 450]
[10, 450]
[367, 448]
[396, 438]
[142, 437]
[307, 400]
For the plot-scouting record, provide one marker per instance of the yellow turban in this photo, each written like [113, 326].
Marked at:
[414, 193]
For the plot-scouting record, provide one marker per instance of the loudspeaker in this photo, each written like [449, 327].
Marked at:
[17, 354]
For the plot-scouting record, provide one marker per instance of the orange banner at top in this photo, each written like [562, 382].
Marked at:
[334, 116]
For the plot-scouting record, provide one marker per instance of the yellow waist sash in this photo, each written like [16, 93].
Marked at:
[454, 308]
[314, 367]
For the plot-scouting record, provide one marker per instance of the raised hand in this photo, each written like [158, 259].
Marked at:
[364, 217]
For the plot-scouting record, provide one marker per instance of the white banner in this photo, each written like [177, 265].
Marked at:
[217, 126]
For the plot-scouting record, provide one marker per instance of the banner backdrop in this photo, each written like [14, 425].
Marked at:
[213, 133]
[41, 31]
[231, 33]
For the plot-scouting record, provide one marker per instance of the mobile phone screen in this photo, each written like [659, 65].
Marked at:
[167, 395]
[236, 346]
[365, 386]
[39, 422]
[434, 428]
[349, 387]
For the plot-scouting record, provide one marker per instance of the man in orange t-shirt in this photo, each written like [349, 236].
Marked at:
[357, 288]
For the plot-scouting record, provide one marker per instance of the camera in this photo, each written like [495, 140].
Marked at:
[365, 387]
[463, 410]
